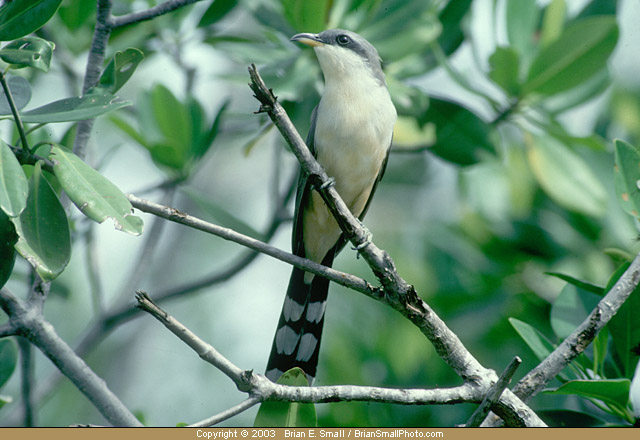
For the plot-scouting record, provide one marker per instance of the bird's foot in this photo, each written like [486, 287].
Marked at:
[367, 241]
[330, 182]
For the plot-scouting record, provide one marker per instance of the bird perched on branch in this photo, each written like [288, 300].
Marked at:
[350, 136]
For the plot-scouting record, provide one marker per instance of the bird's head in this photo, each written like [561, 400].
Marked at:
[344, 54]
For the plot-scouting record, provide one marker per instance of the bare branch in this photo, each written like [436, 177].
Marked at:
[494, 394]
[204, 350]
[582, 336]
[95, 61]
[32, 325]
[7, 329]
[174, 215]
[27, 379]
[151, 13]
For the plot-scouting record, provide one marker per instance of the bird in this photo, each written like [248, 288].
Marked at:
[350, 136]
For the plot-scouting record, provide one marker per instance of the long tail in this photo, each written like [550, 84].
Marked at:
[297, 339]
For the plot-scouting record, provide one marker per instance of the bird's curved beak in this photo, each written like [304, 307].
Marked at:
[308, 39]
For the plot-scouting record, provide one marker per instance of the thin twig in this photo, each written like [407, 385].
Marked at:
[227, 414]
[204, 350]
[582, 336]
[14, 111]
[494, 394]
[27, 379]
[151, 13]
[174, 215]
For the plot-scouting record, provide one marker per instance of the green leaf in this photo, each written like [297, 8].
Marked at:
[216, 11]
[306, 16]
[92, 193]
[45, 240]
[118, 71]
[206, 138]
[21, 92]
[612, 391]
[600, 291]
[461, 136]
[13, 183]
[28, 52]
[625, 328]
[570, 308]
[565, 177]
[504, 69]
[287, 414]
[627, 176]
[8, 240]
[21, 17]
[74, 109]
[553, 22]
[536, 341]
[522, 22]
[8, 359]
[579, 53]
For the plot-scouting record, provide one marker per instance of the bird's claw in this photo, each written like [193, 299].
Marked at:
[366, 242]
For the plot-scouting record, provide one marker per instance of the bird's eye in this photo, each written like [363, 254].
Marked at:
[343, 40]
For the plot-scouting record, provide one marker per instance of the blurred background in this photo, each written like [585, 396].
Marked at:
[498, 175]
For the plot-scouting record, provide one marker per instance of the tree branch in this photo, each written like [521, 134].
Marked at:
[581, 338]
[228, 413]
[151, 13]
[30, 324]
[258, 386]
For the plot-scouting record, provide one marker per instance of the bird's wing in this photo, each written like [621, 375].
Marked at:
[302, 195]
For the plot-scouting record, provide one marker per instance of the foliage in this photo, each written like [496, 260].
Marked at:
[511, 212]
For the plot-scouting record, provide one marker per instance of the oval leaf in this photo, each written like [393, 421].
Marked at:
[612, 391]
[580, 52]
[289, 414]
[565, 177]
[74, 109]
[21, 92]
[21, 17]
[504, 69]
[461, 136]
[13, 183]
[627, 176]
[28, 52]
[536, 341]
[92, 193]
[8, 239]
[43, 228]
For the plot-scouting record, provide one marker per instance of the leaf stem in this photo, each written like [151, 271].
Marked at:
[14, 111]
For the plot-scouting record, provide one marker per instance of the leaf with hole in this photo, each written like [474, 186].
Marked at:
[92, 193]
[43, 228]
[28, 52]
[118, 71]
